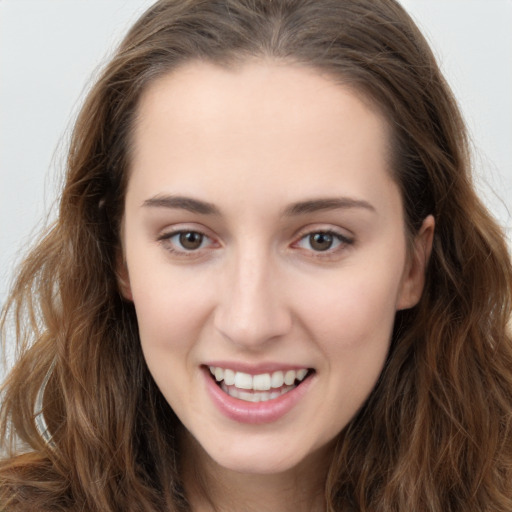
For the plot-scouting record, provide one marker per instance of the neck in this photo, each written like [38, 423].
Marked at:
[212, 488]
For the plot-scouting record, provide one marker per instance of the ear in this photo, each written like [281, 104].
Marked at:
[413, 280]
[122, 276]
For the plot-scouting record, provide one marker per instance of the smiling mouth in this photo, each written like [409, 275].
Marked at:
[260, 387]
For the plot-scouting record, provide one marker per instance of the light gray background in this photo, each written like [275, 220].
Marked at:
[50, 50]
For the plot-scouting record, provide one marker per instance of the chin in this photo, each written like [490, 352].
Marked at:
[260, 463]
[266, 456]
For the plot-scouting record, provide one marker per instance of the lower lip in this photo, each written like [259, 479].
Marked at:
[255, 412]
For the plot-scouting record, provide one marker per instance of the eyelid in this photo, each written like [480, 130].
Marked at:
[344, 239]
[164, 238]
[337, 231]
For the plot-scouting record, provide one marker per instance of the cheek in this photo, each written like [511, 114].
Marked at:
[169, 317]
[351, 321]
[170, 321]
[353, 310]
[171, 306]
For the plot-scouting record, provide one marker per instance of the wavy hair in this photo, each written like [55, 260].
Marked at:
[436, 432]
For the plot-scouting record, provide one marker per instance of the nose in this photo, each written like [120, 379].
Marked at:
[252, 309]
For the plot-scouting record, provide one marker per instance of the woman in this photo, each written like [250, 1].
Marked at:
[271, 285]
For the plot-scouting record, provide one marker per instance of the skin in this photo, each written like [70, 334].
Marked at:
[253, 141]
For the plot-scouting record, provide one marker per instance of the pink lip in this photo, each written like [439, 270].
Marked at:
[251, 412]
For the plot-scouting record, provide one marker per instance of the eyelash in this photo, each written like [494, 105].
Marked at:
[167, 241]
[340, 241]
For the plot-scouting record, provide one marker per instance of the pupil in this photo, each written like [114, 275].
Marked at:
[321, 241]
[191, 240]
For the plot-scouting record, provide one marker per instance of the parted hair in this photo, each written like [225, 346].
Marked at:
[84, 427]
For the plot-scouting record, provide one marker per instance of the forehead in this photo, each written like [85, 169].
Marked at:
[200, 95]
[264, 122]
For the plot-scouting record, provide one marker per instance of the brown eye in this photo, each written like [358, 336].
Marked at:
[327, 242]
[321, 241]
[191, 240]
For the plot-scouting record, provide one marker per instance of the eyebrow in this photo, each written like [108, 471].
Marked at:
[334, 203]
[182, 203]
[299, 208]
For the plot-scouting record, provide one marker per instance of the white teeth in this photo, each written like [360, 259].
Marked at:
[264, 397]
[259, 382]
[248, 397]
[243, 380]
[277, 379]
[229, 377]
[231, 391]
[255, 396]
[300, 374]
[289, 377]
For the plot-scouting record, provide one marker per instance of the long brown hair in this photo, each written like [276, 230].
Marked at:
[436, 432]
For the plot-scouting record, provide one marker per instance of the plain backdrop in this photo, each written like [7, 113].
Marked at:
[50, 51]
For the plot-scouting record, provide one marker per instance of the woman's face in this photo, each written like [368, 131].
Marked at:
[264, 242]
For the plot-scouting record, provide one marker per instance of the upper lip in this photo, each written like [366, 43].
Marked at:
[255, 369]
